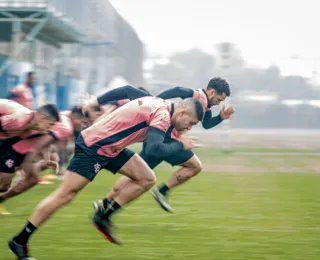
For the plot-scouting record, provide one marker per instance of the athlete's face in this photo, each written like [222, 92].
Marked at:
[80, 123]
[31, 80]
[185, 120]
[94, 114]
[214, 98]
[44, 123]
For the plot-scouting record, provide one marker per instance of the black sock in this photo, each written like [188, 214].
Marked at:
[106, 203]
[163, 189]
[24, 235]
[112, 208]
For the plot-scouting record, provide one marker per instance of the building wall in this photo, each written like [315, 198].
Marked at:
[64, 74]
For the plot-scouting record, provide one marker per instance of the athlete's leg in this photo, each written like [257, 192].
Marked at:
[28, 180]
[123, 181]
[8, 163]
[189, 169]
[140, 179]
[5, 181]
[70, 186]
[80, 173]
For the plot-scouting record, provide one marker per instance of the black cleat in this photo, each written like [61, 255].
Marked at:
[21, 251]
[99, 208]
[104, 227]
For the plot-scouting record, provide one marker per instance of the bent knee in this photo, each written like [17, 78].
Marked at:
[194, 165]
[197, 168]
[149, 180]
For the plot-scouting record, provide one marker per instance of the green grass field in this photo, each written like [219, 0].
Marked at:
[248, 207]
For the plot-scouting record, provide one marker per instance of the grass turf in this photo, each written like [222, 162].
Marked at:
[272, 216]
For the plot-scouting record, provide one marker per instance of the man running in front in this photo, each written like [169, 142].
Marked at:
[103, 146]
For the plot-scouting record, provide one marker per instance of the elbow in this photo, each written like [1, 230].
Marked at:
[128, 88]
[134, 93]
[205, 125]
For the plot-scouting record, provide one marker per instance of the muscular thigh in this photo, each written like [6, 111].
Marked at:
[137, 169]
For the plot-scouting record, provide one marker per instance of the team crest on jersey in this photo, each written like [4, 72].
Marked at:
[9, 163]
[97, 167]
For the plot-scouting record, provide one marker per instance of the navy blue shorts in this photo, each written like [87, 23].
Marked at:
[174, 160]
[9, 159]
[89, 166]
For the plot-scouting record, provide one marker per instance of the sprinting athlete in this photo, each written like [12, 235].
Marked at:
[30, 149]
[17, 122]
[103, 146]
[216, 91]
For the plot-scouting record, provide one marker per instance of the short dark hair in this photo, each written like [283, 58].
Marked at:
[196, 106]
[51, 110]
[220, 85]
[30, 73]
[77, 111]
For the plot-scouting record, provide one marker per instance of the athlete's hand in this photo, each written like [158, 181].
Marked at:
[226, 113]
[52, 165]
[189, 142]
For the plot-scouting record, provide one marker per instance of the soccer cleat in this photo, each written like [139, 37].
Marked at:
[98, 206]
[103, 226]
[3, 210]
[21, 251]
[161, 199]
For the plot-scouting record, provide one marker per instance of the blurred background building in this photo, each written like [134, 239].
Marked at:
[79, 46]
[74, 46]
[263, 98]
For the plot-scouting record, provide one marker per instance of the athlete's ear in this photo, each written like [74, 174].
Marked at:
[211, 92]
[183, 111]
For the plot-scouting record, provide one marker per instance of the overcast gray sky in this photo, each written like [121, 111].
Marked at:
[267, 31]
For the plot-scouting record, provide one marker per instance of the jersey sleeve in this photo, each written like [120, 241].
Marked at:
[62, 130]
[157, 147]
[209, 121]
[161, 120]
[126, 92]
[14, 121]
[177, 92]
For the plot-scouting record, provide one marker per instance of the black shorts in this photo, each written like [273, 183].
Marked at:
[88, 166]
[177, 159]
[9, 159]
